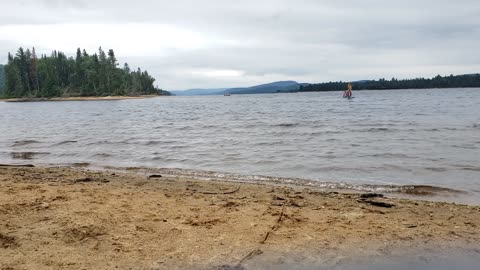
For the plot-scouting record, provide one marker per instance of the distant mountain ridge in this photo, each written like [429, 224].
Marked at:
[464, 80]
[274, 87]
[198, 92]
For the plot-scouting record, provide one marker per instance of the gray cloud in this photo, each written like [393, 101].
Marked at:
[305, 40]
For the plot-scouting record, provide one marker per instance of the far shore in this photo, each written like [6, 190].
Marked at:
[76, 218]
[77, 98]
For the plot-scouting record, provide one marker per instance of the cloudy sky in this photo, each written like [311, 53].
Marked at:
[225, 43]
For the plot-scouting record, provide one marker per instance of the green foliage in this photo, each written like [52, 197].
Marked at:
[26, 75]
[460, 81]
[2, 81]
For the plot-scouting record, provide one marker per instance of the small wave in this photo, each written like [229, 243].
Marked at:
[71, 154]
[26, 155]
[165, 159]
[185, 128]
[465, 146]
[471, 168]
[249, 125]
[178, 146]
[388, 155]
[64, 142]
[128, 141]
[102, 155]
[320, 133]
[285, 125]
[263, 143]
[423, 190]
[24, 142]
[80, 164]
[152, 143]
[102, 142]
[436, 169]
[379, 129]
[209, 126]
[332, 132]
[373, 125]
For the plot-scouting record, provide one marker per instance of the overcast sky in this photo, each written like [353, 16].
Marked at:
[226, 43]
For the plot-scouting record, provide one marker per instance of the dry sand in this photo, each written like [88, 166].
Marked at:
[72, 218]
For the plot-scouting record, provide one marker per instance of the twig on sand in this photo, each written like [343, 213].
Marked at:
[250, 255]
[83, 180]
[276, 225]
[377, 203]
[220, 193]
[371, 195]
[238, 266]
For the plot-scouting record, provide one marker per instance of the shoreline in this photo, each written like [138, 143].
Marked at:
[73, 218]
[78, 98]
[421, 192]
[431, 193]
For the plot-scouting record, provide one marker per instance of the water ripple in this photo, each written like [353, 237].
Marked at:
[402, 137]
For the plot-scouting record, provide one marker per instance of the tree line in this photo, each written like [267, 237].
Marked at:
[1, 79]
[459, 81]
[27, 75]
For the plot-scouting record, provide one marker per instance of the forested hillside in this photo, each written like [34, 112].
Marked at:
[275, 87]
[459, 81]
[27, 75]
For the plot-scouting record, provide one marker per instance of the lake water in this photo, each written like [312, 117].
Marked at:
[380, 138]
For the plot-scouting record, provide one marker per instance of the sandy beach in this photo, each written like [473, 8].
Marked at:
[74, 218]
[77, 98]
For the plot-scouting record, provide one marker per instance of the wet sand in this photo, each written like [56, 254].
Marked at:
[77, 98]
[73, 218]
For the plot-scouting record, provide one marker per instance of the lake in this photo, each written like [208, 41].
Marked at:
[378, 139]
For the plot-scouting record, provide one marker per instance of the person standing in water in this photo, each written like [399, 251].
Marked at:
[348, 92]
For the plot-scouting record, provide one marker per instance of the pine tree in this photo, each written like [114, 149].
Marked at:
[22, 88]
[10, 58]
[34, 73]
[112, 60]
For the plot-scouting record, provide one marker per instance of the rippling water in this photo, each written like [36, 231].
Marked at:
[402, 137]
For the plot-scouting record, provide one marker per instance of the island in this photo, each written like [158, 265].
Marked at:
[27, 77]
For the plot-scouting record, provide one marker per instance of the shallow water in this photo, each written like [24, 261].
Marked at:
[401, 137]
[420, 262]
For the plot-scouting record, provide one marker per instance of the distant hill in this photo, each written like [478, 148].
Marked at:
[275, 87]
[198, 92]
